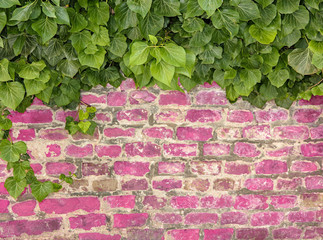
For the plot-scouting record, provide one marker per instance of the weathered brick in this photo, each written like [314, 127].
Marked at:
[201, 218]
[181, 202]
[53, 150]
[168, 218]
[115, 99]
[236, 168]
[167, 184]
[301, 216]
[314, 182]
[260, 132]
[127, 84]
[131, 168]
[225, 201]
[234, 218]
[195, 134]
[239, 116]
[271, 115]
[259, 184]
[307, 115]
[216, 149]
[315, 100]
[89, 169]
[312, 200]
[266, 218]
[281, 152]
[212, 85]
[287, 233]
[23, 135]
[129, 220]
[174, 98]
[171, 167]
[317, 132]
[145, 234]
[158, 132]
[57, 168]
[245, 150]
[248, 202]
[271, 167]
[228, 133]
[76, 151]
[111, 151]
[140, 97]
[206, 167]
[4, 206]
[252, 233]
[32, 116]
[98, 236]
[124, 201]
[61, 115]
[223, 184]
[180, 150]
[25, 208]
[313, 233]
[119, 132]
[203, 116]
[197, 184]
[181, 234]
[154, 202]
[211, 98]
[284, 201]
[142, 149]
[222, 233]
[135, 184]
[102, 117]
[87, 222]
[169, 116]
[312, 150]
[94, 99]
[303, 166]
[135, 115]
[288, 184]
[105, 185]
[291, 132]
[37, 168]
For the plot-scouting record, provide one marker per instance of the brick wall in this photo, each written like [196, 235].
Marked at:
[166, 165]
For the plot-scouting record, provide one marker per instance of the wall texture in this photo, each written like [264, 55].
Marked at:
[165, 165]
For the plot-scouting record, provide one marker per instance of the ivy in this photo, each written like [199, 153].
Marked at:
[260, 50]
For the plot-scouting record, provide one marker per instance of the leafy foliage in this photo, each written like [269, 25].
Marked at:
[85, 124]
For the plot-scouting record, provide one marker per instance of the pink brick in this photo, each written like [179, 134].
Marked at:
[61, 115]
[171, 167]
[53, 150]
[291, 132]
[102, 117]
[287, 233]
[267, 218]
[271, 115]
[249, 202]
[181, 202]
[307, 115]
[184, 234]
[169, 116]
[167, 184]
[261, 132]
[131, 168]
[154, 202]
[215, 234]
[127, 84]
[314, 182]
[145, 234]
[134, 115]
[180, 150]
[22, 134]
[3, 190]
[252, 233]
[53, 134]
[197, 184]
[225, 201]
[262, 184]
[89, 169]
[87, 222]
[228, 133]
[4, 206]
[119, 132]
[201, 218]
[315, 100]
[32, 116]
[3, 170]
[37, 227]
[56, 168]
[168, 218]
[25, 208]
[245, 150]
[303, 166]
[319, 216]
[115, 99]
[288, 184]
[140, 97]
[125, 201]
[216, 149]
[66, 205]
[284, 151]
[195, 134]
[129, 220]
[271, 167]
[142, 149]
[37, 102]
[236, 168]
[312, 150]
[234, 218]
[206, 167]
[239, 116]
[135, 184]
[301, 216]
[93, 99]
[76, 151]
[98, 236]
[317, 132]
[211, 98]
[208, 85]
[203, 116]
[158, 132]
[174, 97]
[283, 201]
[111, 151]
[313, 233]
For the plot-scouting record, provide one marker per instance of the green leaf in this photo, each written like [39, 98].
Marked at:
[318, 90]
[69, 67]
[301, 61]
[287, 6]
[210, 53]
[93, 60]
[268, 91]
[19, 170]
[48, 9]
[228, 19]
[248, 10]
[209, 6]
[139, 53]
[83, 3]
[91, 109]
[83, 115]
[80, 40]
[84, 126]
[118, 45]
[264, 35]
[62, 15]
[297, 20]
[78, 21]
[200, 39]
[46, 28]
[40, 190]
[264, 3]
[278, 78]
[153, 39]
[291, 38]
[187, 82]
[232, 95]
[19, 44]
[3, 20]
[139, 6]
[316, 47]
[11, 94]
[317, 60]
[23, 13]
[267, 15]
[193, 24]
[151, 24]
[313, 3]
[31, 71]
[193, 9]
[8, 3]
[45, 95]
[189, 67]
[4, 74]
[102, 37]
[250, 77]
[168, 8]
[10, 152]
[162, 72]
[99, 14]
[124, 17]
[14, 187]
[5, 124]
[271, 58]
[173, 55]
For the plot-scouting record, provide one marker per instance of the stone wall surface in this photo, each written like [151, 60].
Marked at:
[169, 165]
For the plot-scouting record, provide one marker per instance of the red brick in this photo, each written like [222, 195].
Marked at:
[203, 116]
[283, 201]
[271, 167]
[89, 169]
[53, 150]
[25, 208]
[287, 233]
[215, 234]
[140, 97]
[180, 150]
[174, 98]
[206, 167]
[4, 206]
[236, 168]
[314, 182]
[115, 99]
[124, 201]
[171, 167]
[57, 168]
[76, 151]
[135, 115]
[248, 202]
[239, 116]
[181, 202]
[301, 216]
[259, 184]
[252, 233]
[312, 150]
[303, 166]
[195, 134]
[271, 115]
[32, 116]
[315, 100]
[154, 202]
[266, 218]
[317, 132]
[211, 98]
[288, 184]
[284, 151]
[234, 218]
[93, 99]
[201, 218]
[129, 220]
[142, 149]
[111, 151]
[168, 218]
[187, 234]
[119, 132]
[291, 132]
[307, 115]
[245, 150]
[22, 134]
[135, 184]
[216, 149]
[87, 222]
[131, 168]
[98, 236]
[225, 201]
[260, 132]
[158, 132]
[167, 184]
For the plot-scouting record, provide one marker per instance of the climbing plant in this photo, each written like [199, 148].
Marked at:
[260, 50]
